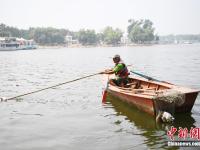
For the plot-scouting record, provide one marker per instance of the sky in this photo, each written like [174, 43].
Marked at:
[168, 16]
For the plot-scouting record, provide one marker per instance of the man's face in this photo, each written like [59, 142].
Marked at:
[116, 60]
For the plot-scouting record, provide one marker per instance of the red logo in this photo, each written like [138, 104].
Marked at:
[183, 133]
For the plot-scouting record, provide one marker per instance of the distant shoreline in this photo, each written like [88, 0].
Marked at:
[90, 46]
[59, 47]
[99, 46]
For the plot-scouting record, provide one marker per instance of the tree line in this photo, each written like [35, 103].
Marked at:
[139, 32]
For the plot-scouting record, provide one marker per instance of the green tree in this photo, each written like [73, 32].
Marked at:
[111, 36]
[4, 31]
[47, 36]
[140, 31]
[100, 37]
[87, 37]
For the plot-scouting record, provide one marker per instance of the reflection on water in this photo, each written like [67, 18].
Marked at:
[155, 133]
[184, 120]
[134, 115]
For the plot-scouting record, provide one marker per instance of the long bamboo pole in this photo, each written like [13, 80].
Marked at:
[50, 87]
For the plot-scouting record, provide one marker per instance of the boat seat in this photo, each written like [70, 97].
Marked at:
[133, 83]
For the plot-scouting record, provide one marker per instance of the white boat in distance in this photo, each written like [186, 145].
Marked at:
[12, 43]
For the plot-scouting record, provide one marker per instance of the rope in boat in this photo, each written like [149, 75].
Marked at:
[50, 87]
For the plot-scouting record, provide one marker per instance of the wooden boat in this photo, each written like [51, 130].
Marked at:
[151, 96]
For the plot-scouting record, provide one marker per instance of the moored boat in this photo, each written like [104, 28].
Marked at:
[153, 97]
[12, 43]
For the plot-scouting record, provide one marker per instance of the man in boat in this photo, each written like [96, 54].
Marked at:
[120, 70]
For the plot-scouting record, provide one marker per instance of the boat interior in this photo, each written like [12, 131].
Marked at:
[145, 87]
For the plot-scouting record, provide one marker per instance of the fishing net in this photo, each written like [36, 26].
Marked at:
[171, 96]
[167, 100]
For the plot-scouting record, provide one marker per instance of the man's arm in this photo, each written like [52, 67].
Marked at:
[114, 70]
[108, 71]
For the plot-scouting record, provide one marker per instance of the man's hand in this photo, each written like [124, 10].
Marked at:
[107, 71]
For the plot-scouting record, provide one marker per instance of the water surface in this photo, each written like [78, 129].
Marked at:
[72, 116]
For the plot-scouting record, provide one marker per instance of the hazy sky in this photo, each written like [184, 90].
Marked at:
[168, 16]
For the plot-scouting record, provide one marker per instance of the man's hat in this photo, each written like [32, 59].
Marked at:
[116, 56]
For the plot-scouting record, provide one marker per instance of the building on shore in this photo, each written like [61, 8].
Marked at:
[125, 40]
[70, 41]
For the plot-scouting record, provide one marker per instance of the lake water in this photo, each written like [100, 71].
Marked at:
[72, 116]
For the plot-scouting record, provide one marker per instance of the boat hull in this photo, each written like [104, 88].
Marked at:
[187, 106]
[152, 106]
[143, 104]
